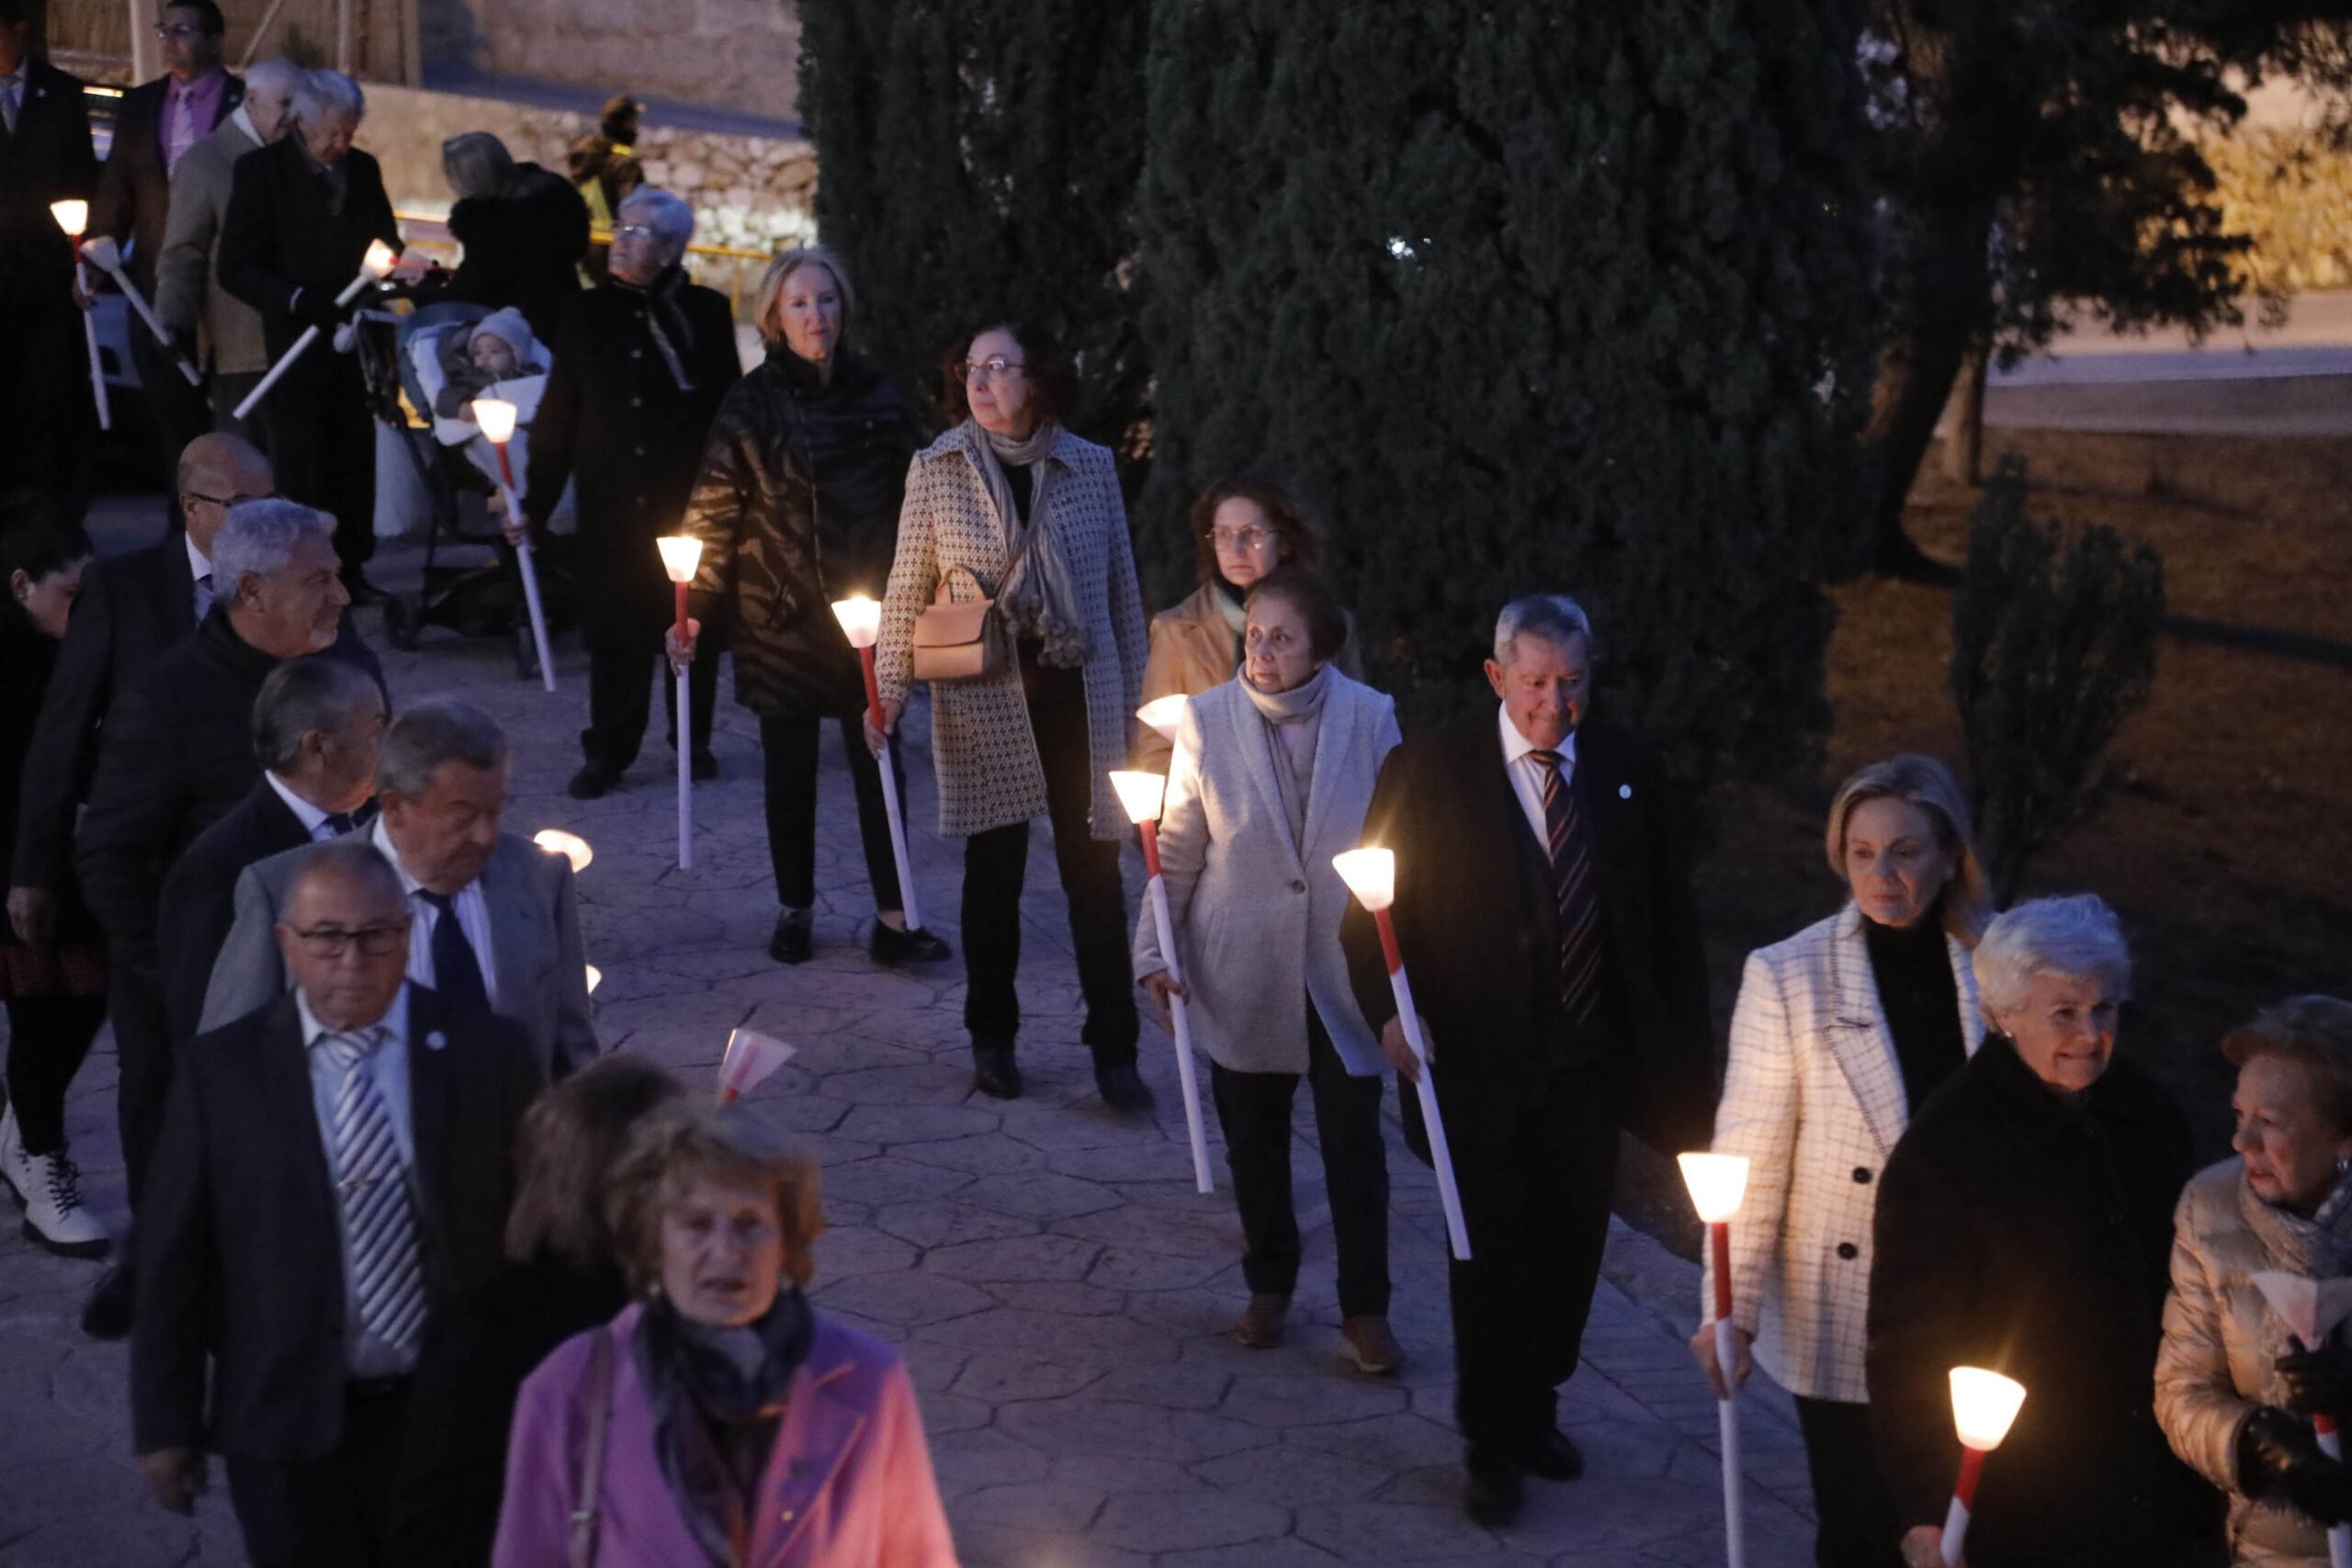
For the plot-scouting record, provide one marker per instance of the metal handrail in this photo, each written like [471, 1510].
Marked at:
[732, 255]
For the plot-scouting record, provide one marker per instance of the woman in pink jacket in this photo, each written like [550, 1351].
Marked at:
[719, 1420]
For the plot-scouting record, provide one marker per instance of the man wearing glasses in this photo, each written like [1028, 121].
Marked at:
[334, 1168]
[159, 122]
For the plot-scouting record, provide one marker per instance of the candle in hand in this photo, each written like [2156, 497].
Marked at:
[73, 217]
[496, 417]
[1982, 1407]
[860, 620]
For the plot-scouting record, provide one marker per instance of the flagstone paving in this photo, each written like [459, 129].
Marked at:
[1060, 1291]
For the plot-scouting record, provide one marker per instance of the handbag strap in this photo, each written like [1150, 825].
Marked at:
[588, 1493]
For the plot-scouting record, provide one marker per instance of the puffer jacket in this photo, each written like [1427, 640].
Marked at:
[796, 505]
[2221, 1339]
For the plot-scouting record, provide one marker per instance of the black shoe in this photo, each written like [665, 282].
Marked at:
[107, 1315]
[1551, 1458]
[1494, 1494]
[592, 781]
[706, 767]
[790, 943]
[1123, 1088]
[891, 946]
[994, 1072]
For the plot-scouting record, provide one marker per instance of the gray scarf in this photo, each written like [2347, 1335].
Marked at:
[1292, 718]
[1037, 598]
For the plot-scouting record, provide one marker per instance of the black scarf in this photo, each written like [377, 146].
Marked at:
[718, 1398]
[667, 317]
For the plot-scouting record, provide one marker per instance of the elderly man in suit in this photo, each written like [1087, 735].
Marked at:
[317, 726]
[497, 918]
[335, 1165]
[301, 214]
[1544, 905]
[45, 157]
[132, 607]
[189, 298]
[158, 123]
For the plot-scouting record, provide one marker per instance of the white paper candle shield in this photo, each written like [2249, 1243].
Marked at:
[751, 1057]
[861, 619]
[71, 216]
[1983, 1405]
[1718, 1183]
[496, 417]
[2310, 1308]
[1164, 714]
[596, 978]
[1370, 875]
[680, 555]
[570, 846]
[1141, 794]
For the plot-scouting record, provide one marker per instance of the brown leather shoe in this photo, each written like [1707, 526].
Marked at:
[1260, 1325]
[1371, 1347]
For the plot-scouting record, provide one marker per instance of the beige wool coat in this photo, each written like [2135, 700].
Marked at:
[188, 296]
[982, 747]
[2221, 1339]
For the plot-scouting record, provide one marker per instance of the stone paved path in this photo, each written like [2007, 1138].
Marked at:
[1059, 1290]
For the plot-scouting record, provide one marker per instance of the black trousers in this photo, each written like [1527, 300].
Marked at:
[1254, 1110]
[619, 699]
[48, 1037]
[228, 390]
[179, 410]
[788, 764]
[335, 1511]
[143, 1048]
[1535, 1191]
[321, 444]
[996, 865]
[1857, 1528]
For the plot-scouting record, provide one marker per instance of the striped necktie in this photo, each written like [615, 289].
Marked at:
[379, 1227]
[1574, 896]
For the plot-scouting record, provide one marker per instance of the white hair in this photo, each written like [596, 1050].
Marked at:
[257, 540]
[1553, 618]
[277, 75]
[671, 220]
[2078, 937]
[324, 92]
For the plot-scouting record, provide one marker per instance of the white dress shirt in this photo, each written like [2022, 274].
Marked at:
[1527, 772]
[314, 821]
[199, 572]
[473, 919]
[387, 1068]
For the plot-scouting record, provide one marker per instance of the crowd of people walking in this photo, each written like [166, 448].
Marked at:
[441, 1279]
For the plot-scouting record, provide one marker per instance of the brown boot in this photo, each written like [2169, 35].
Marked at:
[1371, 1347]
[1260, 1325]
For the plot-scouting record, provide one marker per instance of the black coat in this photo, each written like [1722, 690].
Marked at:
[1475, 922]
[2019, 1233]
[135, 188]
[523, 248]
[238, 1246]
[176, 755]
[476, 1355]
[278, 234]
[132, 607]
[199, 898]
[796, 505]
[47, 158]
[29, 657]
[614, 419]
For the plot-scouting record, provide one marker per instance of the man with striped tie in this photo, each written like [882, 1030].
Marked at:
[1543, 910]
[332, 1169]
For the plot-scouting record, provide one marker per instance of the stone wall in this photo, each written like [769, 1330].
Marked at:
[732, 54]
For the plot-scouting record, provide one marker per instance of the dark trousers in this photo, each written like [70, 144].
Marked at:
[789, 761]
[228, 390]
[143, 1049]
[996, 865]
[1857, 1522]
[48, 1039]
[321, 444]
[1254, 1110]
[619, 699]
[178, 409]
[1535, 1189]
[334, 1511]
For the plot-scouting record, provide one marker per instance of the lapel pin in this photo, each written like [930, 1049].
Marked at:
[436, 1039]
[1624, 792]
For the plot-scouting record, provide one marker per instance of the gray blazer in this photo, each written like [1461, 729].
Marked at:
[1258, 915]
[541, 973]
[188, 296]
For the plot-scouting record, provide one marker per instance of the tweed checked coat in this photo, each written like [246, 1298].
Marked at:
[188, 296]
[982, 747]
[1813, 1099]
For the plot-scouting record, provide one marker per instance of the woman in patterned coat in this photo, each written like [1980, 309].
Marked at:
[1839, 1033]
[1010, 505]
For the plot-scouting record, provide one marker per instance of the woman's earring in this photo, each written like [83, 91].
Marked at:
[2343, 1167]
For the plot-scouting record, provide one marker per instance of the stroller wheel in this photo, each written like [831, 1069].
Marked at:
[399, 623]
[526, 654]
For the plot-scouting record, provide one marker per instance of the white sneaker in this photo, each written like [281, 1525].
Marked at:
[54, 1217]
[12, 1157]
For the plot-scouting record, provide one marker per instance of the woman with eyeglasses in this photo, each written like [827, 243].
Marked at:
[1243, 527]
[1272, 776]
[1012, 507]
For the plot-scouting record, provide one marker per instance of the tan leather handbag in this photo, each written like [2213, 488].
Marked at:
[961, 642]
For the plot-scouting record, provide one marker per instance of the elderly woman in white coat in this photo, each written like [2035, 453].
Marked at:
[2235, 1389]
[1840, 1034]
[1272, 776]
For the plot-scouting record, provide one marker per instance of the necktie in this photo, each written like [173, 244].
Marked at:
[379, 1228]
[204, 596]
[457, 972]
[1573, 894]
[180, 135]
[10, 99]
[341, 822]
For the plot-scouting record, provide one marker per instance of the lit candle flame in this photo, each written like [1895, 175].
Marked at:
[496, 416]
[570, 846]
[1718, 1183]
[71, 216]
[1983, 1405]
[1369, 873]
[680, 553]
[860, 620]
[1142, 793]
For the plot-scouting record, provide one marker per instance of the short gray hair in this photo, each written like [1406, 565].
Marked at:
[2078, 936]
[278, 75]
[257, 540]
[477, 164]
[427, 734]
[1553, 618]
[353, 856]
[326, 91]
[667, 214]
[304, 694]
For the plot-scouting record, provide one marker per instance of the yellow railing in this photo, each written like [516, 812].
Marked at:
[739, 266]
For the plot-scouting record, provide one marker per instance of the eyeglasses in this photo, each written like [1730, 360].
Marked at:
[997, 370]
[1239, 538]
[373, 942]
[633, 231]
[225, 501]
[169, 30]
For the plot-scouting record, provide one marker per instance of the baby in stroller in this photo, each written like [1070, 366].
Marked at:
[499, 347]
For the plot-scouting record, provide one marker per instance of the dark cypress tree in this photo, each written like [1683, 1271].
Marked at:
[977, 162]
[1529, 296]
